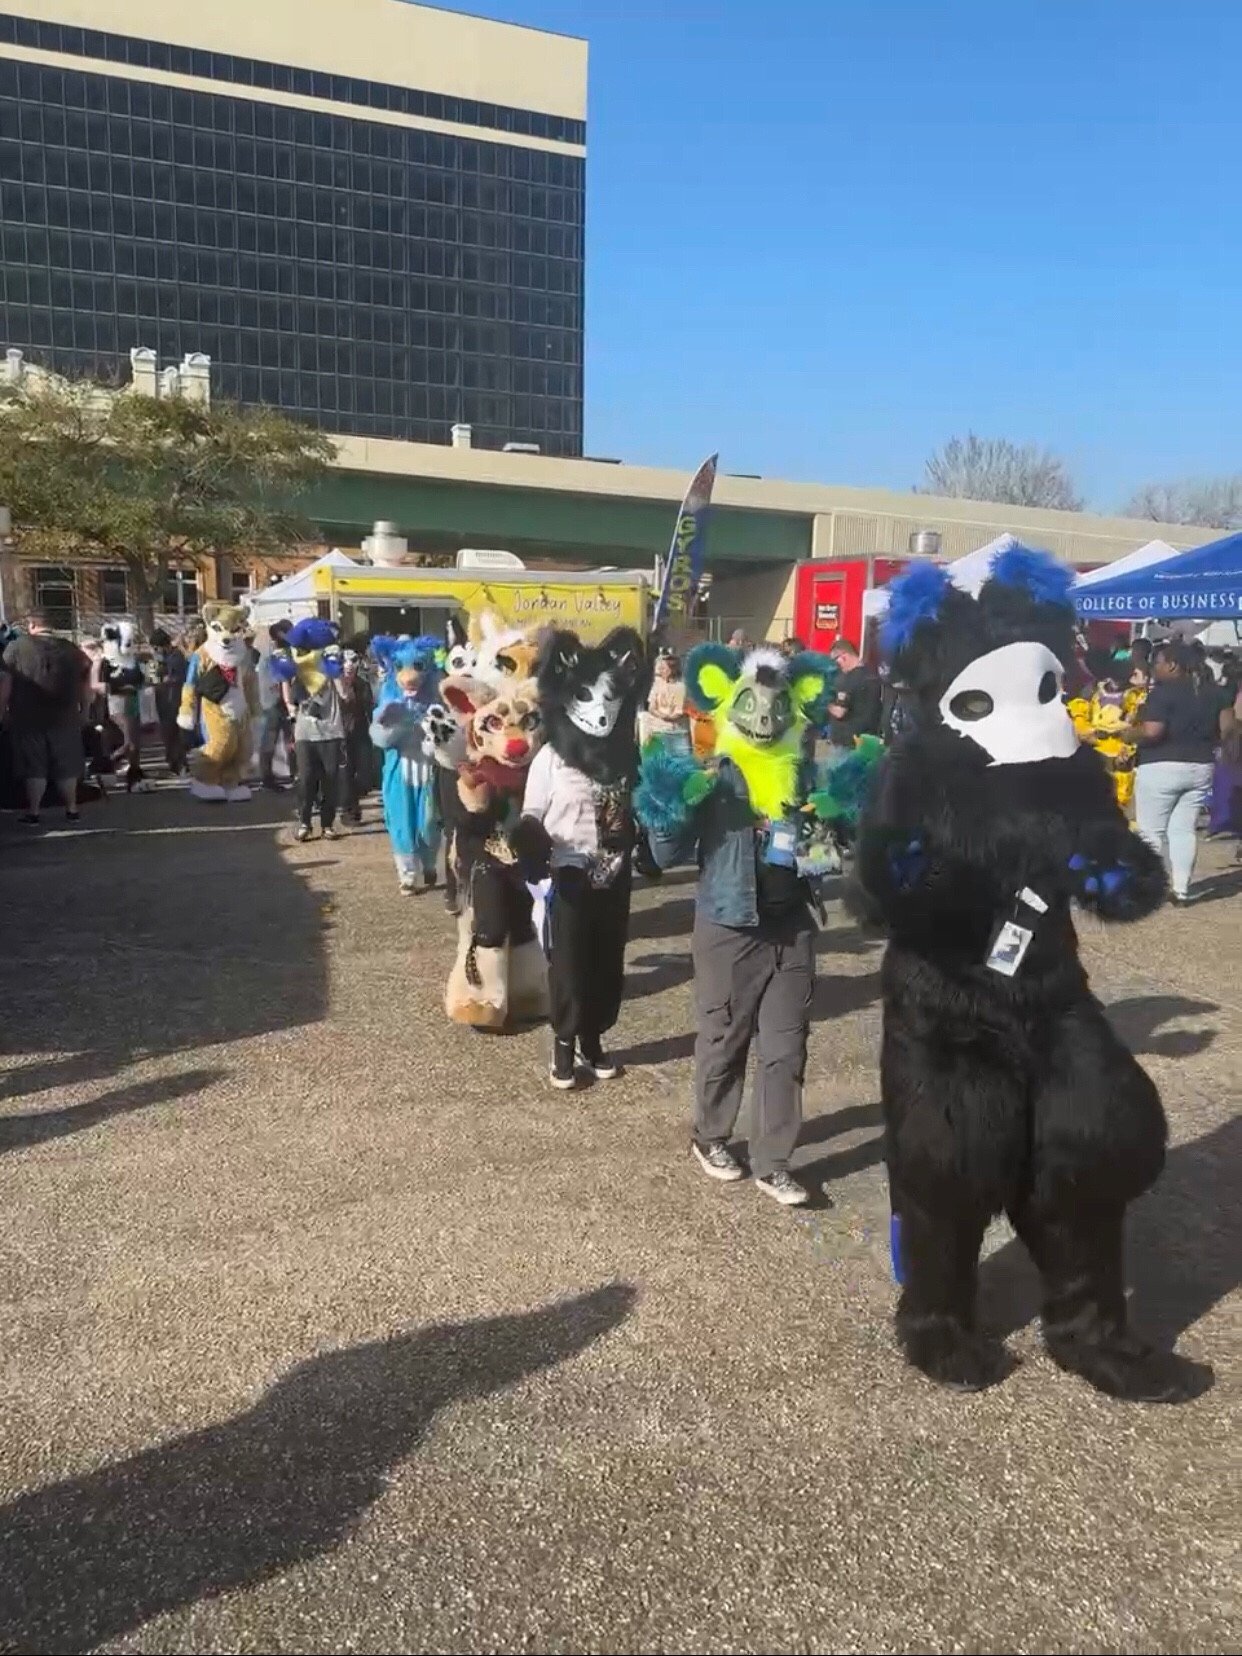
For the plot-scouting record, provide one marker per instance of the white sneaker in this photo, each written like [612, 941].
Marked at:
[719, 1162]
[782, 1187]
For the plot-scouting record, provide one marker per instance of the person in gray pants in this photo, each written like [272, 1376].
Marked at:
[754, 932]
[752, 983]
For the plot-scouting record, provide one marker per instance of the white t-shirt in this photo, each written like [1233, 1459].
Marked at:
[563, 799]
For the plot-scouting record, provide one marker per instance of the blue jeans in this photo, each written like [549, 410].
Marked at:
[1168, 797]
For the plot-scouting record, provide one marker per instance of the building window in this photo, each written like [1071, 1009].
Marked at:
[53, 594]
[181, 592]
[239, 584]
[114, 591]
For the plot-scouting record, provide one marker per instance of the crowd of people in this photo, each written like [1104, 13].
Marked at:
[511, 760]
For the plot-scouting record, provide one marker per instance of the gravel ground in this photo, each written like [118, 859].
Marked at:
[327, 1326]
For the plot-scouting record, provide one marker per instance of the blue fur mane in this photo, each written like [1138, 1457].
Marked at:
[1037, 573]
[915, 596]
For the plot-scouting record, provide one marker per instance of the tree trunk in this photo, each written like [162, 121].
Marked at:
[145, 588]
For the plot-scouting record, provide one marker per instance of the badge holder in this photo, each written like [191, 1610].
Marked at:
[1013, 937]
[780, 848]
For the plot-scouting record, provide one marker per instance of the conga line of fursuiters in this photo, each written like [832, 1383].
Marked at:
[761, 818]
[577, 833]
[1004, 1088]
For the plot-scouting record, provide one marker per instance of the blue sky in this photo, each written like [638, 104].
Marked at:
[823, 236]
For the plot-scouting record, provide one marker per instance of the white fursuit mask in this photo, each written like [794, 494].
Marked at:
[594, 708]
[1009, 702]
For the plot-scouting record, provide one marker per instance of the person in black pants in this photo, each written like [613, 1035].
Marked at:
[577, 824]
[312, 695]
[358, 709]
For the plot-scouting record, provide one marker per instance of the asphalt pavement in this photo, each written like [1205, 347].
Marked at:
[326, 1325]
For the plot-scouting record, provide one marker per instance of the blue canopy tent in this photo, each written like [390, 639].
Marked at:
[1197, 586]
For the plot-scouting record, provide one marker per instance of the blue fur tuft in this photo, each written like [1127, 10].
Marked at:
[659, 799]
[848, 783]
[914, 597]
[1038, 573]
[394, 653]
[283, 670]
[312, 634]
[703, 655]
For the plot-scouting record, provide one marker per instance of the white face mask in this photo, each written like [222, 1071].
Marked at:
[595, 708]
[1009, 702]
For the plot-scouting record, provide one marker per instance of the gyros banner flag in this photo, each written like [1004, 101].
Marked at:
[684, 569]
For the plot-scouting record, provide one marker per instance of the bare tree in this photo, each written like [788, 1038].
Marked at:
[989, 468]
[1208, 503]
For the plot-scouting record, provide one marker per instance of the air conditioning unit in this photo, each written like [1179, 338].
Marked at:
[521, 448]
[472, 557]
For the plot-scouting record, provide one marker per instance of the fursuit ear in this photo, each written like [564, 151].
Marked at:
[629, 658]
[711, 672]
[1038, 574]
[384, 648]
[455, 634]
[915, 597]
[558, 657]
[465, 695]
[812, 679]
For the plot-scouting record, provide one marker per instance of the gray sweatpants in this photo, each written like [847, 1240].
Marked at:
[753, 984]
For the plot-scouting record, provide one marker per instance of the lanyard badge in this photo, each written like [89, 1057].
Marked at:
[1013, 937]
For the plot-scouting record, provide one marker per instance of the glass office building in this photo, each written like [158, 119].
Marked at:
[381, 259]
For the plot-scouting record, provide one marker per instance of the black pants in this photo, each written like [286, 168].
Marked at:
[586, 971]
[319, 769]
[167, 706]
[356, 770]
[449, 802]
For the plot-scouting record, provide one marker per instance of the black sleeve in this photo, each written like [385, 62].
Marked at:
[1155, 710]
[866, 701]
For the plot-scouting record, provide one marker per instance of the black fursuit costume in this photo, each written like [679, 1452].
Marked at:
[1004, 1088]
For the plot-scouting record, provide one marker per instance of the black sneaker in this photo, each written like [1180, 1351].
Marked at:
[429, 880]
[561, 1073]
[596, 1062]
[719, 1162]
[30, 819]
[782, 1187]
[73, 816]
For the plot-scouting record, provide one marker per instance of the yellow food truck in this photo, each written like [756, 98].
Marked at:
[399, 599]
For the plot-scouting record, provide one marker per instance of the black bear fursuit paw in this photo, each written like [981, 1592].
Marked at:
[532, 846]
[1117, 875]
[952, 1355]
[1121, 1365]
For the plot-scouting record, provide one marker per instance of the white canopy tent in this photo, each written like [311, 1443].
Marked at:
[968, 573]
[1154, 552]
[294, 598]
[972, 571]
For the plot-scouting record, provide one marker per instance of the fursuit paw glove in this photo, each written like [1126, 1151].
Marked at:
[847, 784]
[1126, 884]
[532, 846]
[671, 787]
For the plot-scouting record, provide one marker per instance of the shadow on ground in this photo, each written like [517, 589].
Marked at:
[1184, 1245]
[1138, 1020]
[22, 1132]
[210, 934]
[88, 1560]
